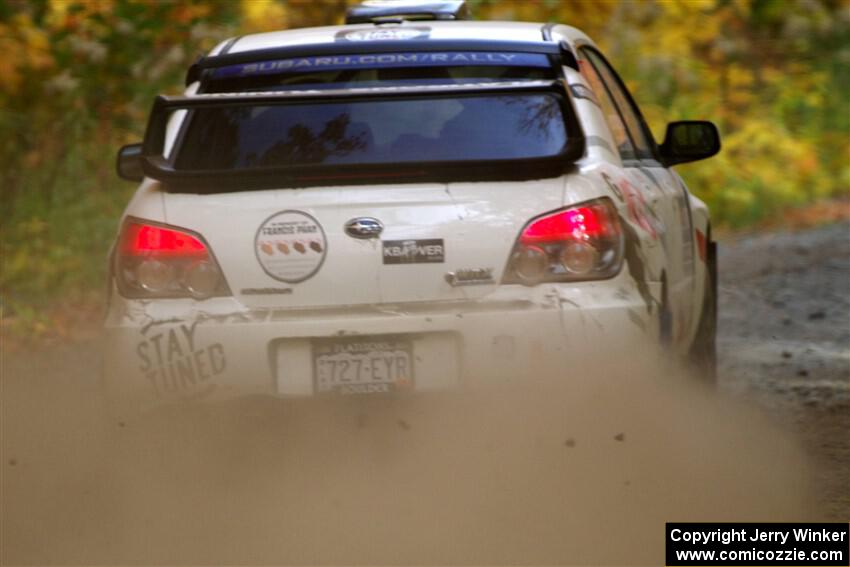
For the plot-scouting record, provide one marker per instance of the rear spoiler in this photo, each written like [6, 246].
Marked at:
[559, 54]
[158, 167]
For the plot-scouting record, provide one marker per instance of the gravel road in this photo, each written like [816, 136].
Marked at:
[784, 341]
[556, 476]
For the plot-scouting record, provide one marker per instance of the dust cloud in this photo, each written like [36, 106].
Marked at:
[580, 468]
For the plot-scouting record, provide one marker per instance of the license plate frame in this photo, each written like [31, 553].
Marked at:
[362, 365]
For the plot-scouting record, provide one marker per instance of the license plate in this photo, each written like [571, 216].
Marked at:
[363, 365]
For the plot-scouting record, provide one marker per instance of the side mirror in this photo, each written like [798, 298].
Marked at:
[689, 140]
[129, 164]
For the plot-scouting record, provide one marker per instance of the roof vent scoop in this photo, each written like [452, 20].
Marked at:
[378, 11]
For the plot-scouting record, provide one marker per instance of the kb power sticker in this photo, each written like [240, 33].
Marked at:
[290, 246]
[428, 251]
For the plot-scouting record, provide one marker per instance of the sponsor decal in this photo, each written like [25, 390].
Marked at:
[384, 34]
[175, 365]
[636, 262]
[427, 251]
[470, 276]
[612, 186]
[290, 246]
[687, 235]
[637, 208]
[650, 205]
[381, 60]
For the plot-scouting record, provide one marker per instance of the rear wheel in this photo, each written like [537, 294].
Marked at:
[703, 353]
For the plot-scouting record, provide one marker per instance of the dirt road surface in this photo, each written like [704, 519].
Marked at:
[784, 342]
[564, 473]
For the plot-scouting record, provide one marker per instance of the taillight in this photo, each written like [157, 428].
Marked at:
[583, 242]
[159, 261]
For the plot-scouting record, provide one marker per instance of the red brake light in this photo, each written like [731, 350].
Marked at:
[143, 239]
[160, 261]
[579, 243]
[590, 221]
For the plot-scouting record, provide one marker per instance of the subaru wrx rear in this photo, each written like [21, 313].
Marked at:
[398, 207]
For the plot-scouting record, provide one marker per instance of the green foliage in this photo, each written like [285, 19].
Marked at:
[77, 78]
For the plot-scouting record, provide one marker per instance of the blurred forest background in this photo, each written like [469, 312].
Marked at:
[77, 79]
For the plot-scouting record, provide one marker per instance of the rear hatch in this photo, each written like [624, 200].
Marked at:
[432, 233]
[449, 159]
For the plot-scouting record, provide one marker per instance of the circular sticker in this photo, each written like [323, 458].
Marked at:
[290, 246]
[390, 34]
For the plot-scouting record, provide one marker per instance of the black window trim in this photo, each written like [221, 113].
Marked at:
[652, 160]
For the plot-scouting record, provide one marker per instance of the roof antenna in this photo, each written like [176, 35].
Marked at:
[386, 11]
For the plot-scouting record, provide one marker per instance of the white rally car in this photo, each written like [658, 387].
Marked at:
[402, 205]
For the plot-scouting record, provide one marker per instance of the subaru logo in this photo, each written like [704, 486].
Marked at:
[363, 227]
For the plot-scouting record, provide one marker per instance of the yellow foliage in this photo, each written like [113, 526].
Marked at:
[762, 168]
[264, 15]
[739, 77]
[185, 13]
[684, 24]
[76, 14]
[10, 76]
[25, 48]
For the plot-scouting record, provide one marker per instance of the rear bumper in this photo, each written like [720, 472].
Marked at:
[165, 351]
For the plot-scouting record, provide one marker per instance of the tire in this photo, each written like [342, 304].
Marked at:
[703, 352]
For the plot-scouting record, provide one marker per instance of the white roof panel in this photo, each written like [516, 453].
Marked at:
[439, 30]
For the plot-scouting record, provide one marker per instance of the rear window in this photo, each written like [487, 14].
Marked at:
[375, 131]
[368, 117]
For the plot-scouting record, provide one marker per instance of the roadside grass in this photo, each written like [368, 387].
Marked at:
[53, 253]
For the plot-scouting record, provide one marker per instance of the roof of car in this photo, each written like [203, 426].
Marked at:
[484, 31]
